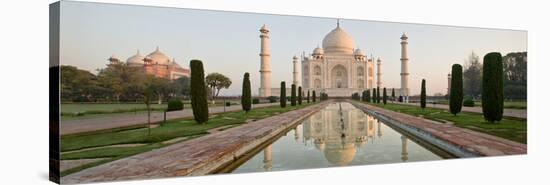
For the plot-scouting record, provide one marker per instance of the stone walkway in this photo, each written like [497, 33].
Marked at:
[194, 157]
[475, 142]
[68, 164]
[516, 113]
[127, 120]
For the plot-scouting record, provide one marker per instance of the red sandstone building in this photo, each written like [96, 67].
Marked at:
[156, 63]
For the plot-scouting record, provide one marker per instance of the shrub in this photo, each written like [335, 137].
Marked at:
[198, 92]
[283, 94]
[272, 99]
[492, 93]
[246, 94]
[367, 94]
[423, 94]
[314, 97]
[255, 101]
[468, 103]
[354, 96]
[174, 105]
[455, 102]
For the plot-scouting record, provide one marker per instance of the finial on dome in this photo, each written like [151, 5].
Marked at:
[157, 49]
[137, 51]
[337, 23]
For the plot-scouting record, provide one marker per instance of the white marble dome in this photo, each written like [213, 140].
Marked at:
[158, 57]
[136, 60]
[358, 52]
[318, 51]
[338, 41]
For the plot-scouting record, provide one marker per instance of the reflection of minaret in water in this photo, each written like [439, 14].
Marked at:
[404, 154]
[296, 134]
[379, 129]
[267, 158]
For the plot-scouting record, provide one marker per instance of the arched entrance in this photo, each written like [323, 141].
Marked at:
[339, 77]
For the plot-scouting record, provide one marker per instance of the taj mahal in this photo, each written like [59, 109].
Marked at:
[337, 69]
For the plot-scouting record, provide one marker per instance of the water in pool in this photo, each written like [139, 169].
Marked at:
[338, 135]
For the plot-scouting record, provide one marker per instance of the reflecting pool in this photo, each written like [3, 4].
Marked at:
[338, 135]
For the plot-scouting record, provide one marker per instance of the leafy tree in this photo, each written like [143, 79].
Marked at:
[300, 92]
[293, 95]
[198, 92]
[313, 96]
[492, 100]
[515, 75]
[423, 94]
[216, 82]
[147, 100]
[472, 76]
[455, 102]
[246, 98]
[283, 94]
[160, 87]
[181, 86]
[385, 97]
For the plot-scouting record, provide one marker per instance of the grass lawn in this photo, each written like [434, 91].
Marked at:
[170, 130]
[510, 128]
[71, 111]
[507, 104]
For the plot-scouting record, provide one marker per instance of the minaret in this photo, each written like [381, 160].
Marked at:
[449, 84]
[265, 71]
[379, 73]
[404, 68]
[295, 71]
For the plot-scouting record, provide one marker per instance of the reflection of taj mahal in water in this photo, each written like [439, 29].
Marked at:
[338, 132]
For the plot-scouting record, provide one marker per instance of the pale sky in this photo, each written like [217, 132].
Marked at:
[229, 43]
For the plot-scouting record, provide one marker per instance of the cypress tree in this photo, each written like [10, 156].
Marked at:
[373, 95]
[313, 96]
[368, 95]
[246, 98]
[455, 102]
[293, 95]
[423, 94]
[364, 96]
[393, 94]
[385, 97]
[283, 94]
[307, 96]
[492, 92]
[198, 92]
[300, 95]
[377, 94]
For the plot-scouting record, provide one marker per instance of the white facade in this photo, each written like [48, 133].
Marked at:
[337, 69]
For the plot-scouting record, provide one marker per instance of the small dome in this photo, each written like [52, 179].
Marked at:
[338, 41]
[358, 52]
[318, 51]
[295, 57]
[264, 29]
[340, 155]
[174, 64]
[158, 57]
[135, 60]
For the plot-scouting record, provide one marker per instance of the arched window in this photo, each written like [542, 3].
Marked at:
[306, 70]
[360, 71]
[317, 70]
[317, 83]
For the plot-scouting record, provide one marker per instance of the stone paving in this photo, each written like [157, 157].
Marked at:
[516, 113]
[199, 156]
[127, 120]
[475, 142]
